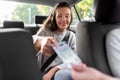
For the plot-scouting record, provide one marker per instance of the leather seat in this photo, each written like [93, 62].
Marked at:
[40, 19]
[13, 24]
[17, 55]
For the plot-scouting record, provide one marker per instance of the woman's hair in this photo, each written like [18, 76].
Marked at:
[50, 22]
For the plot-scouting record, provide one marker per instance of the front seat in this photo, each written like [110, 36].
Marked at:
[91, 36]
[17, 55]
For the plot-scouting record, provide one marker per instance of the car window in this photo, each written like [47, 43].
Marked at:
[85, 10]
[25, 12]
[75, 18]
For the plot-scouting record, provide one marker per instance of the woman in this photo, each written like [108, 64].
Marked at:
[55, 28]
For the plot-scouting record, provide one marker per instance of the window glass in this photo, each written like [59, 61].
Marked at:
[85, 10]
[21, 11]
[75, 18]
[26, 12]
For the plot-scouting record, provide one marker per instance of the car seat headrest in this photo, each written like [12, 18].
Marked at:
[108, 11]
[40, 19]
[13, 24]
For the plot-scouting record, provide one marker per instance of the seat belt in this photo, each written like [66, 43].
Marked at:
[52, 57]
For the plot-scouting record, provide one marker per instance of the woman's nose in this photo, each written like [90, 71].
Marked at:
[63, 19]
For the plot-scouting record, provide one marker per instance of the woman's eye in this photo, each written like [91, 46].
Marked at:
[59, 16]
[67, 16]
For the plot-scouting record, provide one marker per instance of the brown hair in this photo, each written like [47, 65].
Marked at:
[50, 22]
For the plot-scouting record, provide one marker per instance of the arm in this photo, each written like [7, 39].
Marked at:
[82, 72]
[113, 51]
[72, 41]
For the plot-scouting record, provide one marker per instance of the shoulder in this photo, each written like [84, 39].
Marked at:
[115, 31]
[114, 34]
[113, 38]
[43, 31]
[72, 33]
[72, 36]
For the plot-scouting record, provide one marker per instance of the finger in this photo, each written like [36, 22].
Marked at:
[47, 51]
[79, 67]
[53, 41]
[50, 51]
[37, 43]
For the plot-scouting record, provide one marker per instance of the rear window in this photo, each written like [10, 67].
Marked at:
[26, 12]
[22, 11]
[85, 10]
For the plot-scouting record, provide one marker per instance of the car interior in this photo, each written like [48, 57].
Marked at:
[90, 37]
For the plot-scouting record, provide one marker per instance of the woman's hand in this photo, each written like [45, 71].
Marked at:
[37, 44]
[46, 48]
[44, 44]
[50, 74]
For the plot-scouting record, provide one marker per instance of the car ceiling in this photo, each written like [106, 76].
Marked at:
[46, 2]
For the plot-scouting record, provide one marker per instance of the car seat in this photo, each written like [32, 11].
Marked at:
[40, 19]
[17, 55]
[91, 36]
[13, 24]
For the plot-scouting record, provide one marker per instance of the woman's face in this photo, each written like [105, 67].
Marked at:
[63, 18]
